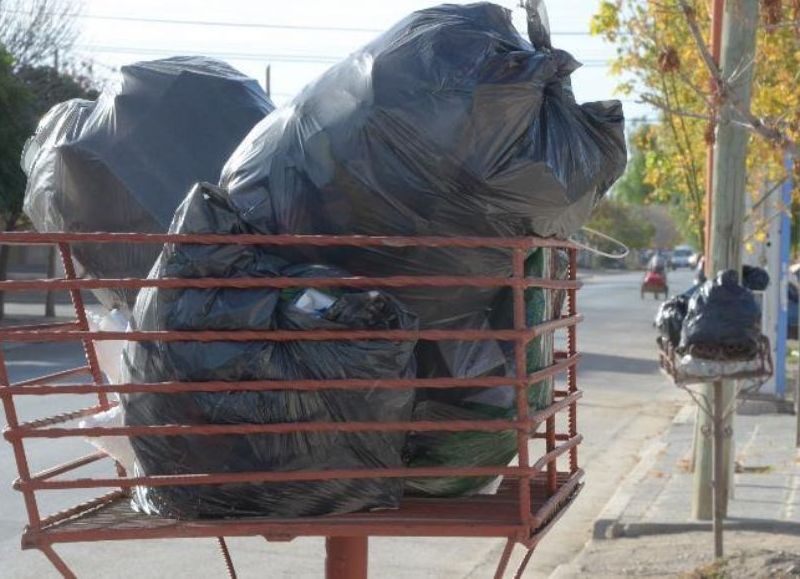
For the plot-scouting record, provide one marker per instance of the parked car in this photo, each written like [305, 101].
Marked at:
[682, 257]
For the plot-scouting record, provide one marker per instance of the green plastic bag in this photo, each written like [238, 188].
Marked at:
[481, 449]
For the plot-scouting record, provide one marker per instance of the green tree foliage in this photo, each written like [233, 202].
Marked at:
[658, 59]
[50, 87]
[625, 223]
[633, 187]
[26, 93]
[16, 119]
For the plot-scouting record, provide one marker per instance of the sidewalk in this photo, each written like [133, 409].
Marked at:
[647, 529]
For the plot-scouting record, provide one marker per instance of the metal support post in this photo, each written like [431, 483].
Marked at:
[347, 558]
[719, 482]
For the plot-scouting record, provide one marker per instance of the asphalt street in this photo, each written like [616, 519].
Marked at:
[626, 403]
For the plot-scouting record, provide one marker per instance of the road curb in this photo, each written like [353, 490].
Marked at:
[608, 524]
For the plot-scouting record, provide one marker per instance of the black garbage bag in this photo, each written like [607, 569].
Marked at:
[755, 278]
[723, 320]
[448, 124]
[125, 162]
[670, 316]
[206, 211]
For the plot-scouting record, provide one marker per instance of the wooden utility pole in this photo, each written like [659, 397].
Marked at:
[716, 48]
[739, 24]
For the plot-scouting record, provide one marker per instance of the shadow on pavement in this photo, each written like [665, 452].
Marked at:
[610, 363]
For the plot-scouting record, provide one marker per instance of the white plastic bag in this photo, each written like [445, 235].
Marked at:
[109, 358]
[109, 353]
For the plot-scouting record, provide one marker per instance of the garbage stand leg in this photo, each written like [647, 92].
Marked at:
[717, 450]
[347, 557]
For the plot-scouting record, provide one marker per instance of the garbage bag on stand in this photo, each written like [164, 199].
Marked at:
[723, 318]
[205, 210]
[755, 278]
[125, 162]
[450, 124]
[670, 316]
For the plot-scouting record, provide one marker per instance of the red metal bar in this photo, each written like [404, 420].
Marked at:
[226, 556]
[291, 476]
[300, 335]
[572, 350]
[346, 557]
[33, 238]
[541, 532]
[524, 564]
[521, 363]
[51, 377]
[553, 503]
[487, 516]
[35, 431]
[263, 385]
[69, 466]
[284, 282]
[36, 327]
[502, 565]
[550, 442]
[19, 450]
[555, 407]
[81, 508]
[83, 323]
[559, 436]
[12, 432]
[57, 562]
[552, 455]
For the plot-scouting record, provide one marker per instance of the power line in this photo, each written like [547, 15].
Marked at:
[275, 57]
[262, 25]
[225, 24]
[299, 58]
[230, 24]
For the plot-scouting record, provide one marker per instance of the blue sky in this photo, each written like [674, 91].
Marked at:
[301, 39]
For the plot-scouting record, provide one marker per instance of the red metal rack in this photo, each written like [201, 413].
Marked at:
[534, 494]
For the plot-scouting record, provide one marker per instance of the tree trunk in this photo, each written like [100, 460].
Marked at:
[740, 23]
[5, 251]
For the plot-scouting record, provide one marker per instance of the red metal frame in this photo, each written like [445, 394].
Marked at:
[534, 493]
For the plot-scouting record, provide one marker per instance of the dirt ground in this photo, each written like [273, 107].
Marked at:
[690, 556]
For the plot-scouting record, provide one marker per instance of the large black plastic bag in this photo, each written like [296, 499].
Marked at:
[755, 278]
[124, 163]
[448, 124]
[205, 211]
[723, 318]
[670, 316]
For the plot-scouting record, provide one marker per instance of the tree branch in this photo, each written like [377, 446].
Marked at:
[750, 121]
[672, 111]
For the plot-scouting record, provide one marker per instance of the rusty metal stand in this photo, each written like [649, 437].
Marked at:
[534, 495]
[346, 557]
[226, 555]
[718, 412]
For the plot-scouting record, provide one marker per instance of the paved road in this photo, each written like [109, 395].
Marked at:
[627, 402]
